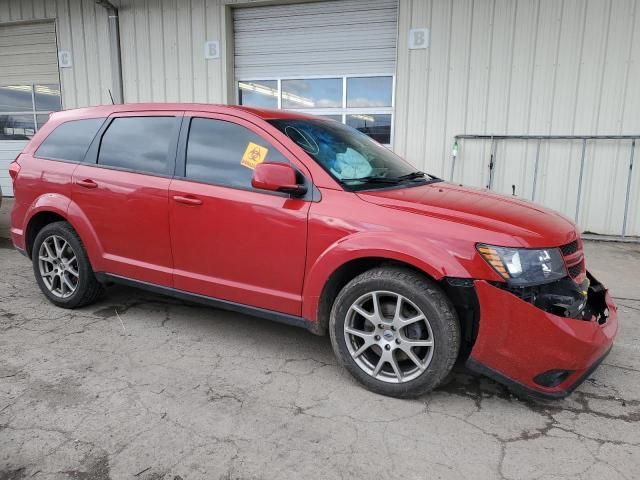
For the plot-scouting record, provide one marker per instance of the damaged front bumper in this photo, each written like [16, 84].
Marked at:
[542, 345]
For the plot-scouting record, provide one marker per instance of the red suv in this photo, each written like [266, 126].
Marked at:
[306, 221]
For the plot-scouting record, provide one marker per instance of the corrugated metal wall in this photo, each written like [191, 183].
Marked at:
[163, 51]
[526, 67]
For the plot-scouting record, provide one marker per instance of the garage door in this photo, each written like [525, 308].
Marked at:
[29, 87]
[335, 59]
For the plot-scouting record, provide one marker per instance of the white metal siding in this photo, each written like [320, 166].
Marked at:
[526, 67]
[163, 51]
[324, 38]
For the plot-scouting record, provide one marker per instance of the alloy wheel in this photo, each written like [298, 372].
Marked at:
[58, 266]
[388, 337]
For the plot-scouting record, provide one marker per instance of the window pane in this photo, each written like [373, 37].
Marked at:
[138, 143]
[316, 93]
[70, 141]
[47, 98]
[215, 151]
[16, 127]
[369, 92]
[377, 127]
[42, 119]
[258, 93]
[16, 98]
[337, 118]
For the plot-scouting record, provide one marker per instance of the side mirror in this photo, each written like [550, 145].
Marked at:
[277, 177]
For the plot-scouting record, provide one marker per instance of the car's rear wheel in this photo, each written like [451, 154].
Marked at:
[62, 268]
[395, 331]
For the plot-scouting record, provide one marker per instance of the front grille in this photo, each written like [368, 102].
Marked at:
[569, 248]
[575, 270]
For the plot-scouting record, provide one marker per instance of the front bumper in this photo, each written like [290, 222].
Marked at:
[518, 343]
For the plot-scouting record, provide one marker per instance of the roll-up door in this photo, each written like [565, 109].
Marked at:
[335, 59]
[317, 38]
[29, 86]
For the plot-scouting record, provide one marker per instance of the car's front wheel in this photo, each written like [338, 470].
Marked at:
[395, 331]
[62, 268]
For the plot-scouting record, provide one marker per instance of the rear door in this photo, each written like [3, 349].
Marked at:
[122, 189]
[231, 241]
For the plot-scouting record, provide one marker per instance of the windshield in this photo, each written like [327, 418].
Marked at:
[351, 157]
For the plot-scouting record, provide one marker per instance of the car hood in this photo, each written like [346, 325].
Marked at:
[530, 225]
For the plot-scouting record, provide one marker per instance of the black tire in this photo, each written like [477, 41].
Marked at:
[87, 288]
[427, 296]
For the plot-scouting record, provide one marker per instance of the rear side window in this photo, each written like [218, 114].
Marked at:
[226, 153]
[138, 143]
[70, 140]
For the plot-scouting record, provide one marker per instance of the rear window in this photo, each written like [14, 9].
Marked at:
[140, 144]
[70, 140]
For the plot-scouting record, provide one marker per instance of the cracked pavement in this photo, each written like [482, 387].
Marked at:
[145, 387]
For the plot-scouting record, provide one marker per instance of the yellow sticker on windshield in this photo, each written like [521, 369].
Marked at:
[253, 155]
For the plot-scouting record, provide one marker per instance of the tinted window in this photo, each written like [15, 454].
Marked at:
[225, 153]
[71, 140]
[138, 143]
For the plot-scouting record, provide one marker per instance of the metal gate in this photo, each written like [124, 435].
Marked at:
[589, 178]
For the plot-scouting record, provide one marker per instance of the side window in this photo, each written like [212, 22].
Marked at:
[138, 143]
[70, 140]
[226, 153]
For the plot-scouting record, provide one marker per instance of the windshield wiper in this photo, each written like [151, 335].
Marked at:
[374, 179]
[412, 175]
[419, 175]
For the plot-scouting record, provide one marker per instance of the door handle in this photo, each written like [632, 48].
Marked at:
[187, 200]
[87, 183]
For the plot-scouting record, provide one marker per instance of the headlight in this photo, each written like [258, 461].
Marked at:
[523, 266]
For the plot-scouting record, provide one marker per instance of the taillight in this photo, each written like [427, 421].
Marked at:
[14, 170]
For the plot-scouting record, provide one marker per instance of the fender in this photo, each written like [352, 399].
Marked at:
[71, 212]
[49, 202]
[90, 240]
[427, 256]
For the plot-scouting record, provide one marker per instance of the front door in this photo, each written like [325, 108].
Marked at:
[124, 194]
[229, 240]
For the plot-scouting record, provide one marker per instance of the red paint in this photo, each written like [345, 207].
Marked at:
[277, 252]
[275, 177]
[520, 341]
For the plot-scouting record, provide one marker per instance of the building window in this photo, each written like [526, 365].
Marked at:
[25, 108]
[362, 102]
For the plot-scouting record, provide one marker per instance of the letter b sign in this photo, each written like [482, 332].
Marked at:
[418, 38]
[212, 50]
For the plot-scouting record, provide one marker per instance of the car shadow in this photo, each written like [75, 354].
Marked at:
[118, 300]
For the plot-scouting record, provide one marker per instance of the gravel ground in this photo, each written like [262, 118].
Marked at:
[143, 387]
